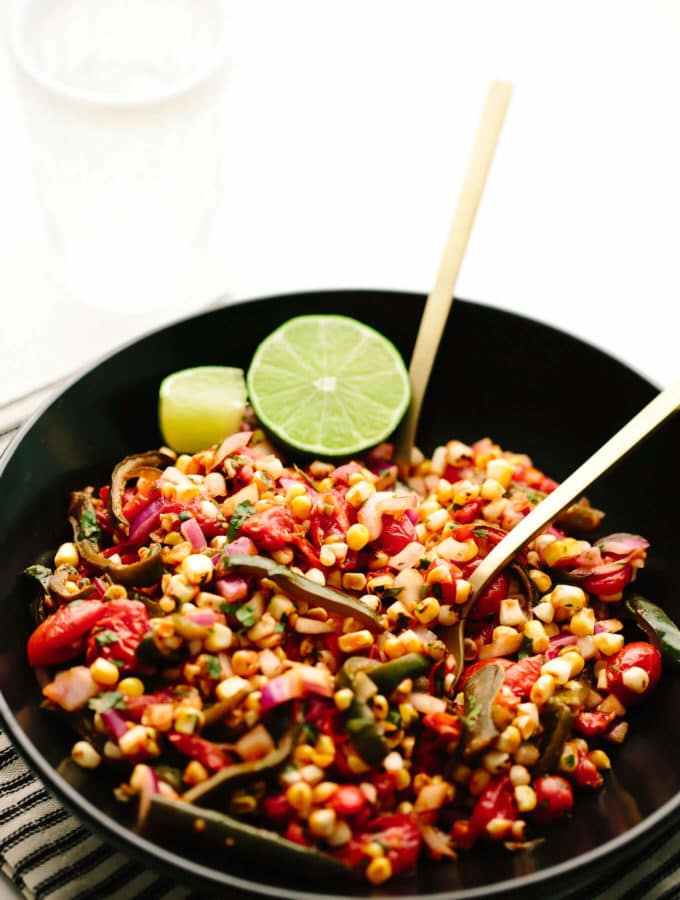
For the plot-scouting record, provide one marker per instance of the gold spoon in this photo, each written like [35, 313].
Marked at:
[637, 429]
[439, 302]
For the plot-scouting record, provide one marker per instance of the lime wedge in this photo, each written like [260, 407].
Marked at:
[328, 385]
[199, 407]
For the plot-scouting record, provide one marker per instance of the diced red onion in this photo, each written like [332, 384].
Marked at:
[622, 543]
[426, 703]
[305, 625]
[115, 723]
[281, 689]
[203, 617]
[193, 533]
[145, 782]
[559, 641]
[315, 680]
[232, 587]
[242, 546]
[412, 515]
[424, 634]
[230, 444]
[406, 557]
[608, 625]
[100, 585]
[144, 523]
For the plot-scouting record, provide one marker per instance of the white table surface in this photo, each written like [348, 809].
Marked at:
[348, 131]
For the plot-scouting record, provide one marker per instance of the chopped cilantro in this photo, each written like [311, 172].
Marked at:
[280, 627]
[88, 527]
[184, 515]
[526, 648]
[246, 615]
[309, 733]
[394, 717]
[436, 590]
[212, 666]
[107, 700]
[423, 563]
[238, 517]
[108, 636]
[481, 532]
[570, 760]
[473, 712]
[390, 593]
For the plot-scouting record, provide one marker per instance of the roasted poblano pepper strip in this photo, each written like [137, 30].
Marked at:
[58, 586]
[185, 823]
[479, 693]
[558, 720]
[658, 626]
[83, 519]
[360, 722]
[388, 676]
[297, 587]
[129, 468]
[230, 777]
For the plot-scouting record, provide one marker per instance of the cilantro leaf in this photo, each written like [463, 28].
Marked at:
[107, 636]
[526, 648]
[88, 527]
[212, 666]
[246, 615]
[107, 700]
[243, 511]
[389, 593]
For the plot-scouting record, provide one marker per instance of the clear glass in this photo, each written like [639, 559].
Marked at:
[124, 103]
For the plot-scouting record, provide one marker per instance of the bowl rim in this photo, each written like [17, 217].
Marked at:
[163, 860]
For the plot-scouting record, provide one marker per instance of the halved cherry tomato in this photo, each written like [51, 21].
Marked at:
[397, 833]
[554, 798]
[593, 722]
[270, 529]
[611, 583]
[62, 635]
[347, 800]
[521, 676]
[397, 532]
[497, 800]
[489, 601]
[118, 632]
[444, 724]
[209, 754]
[640, 655]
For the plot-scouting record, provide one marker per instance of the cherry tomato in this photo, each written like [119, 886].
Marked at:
[397, 833]
[330, 519]
[469, 512]
[497, 800]
[209, 754]
[347, 800]
[397, 532]
[585, 774]
[118, 633]
[444, 724]
[636, 655]
[592, 723]
[470, 670]
[62, 635]
[270, 529]
[554, 798]
[521, 676]
[489, 601]
[610, 583]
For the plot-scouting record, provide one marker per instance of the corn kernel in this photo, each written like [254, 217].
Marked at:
[379, 870]
[436, 520]
[326, 556]
[509, 740]
[322, 822]
[636, 679]
[608, 644]
[197, 568]
[544, 611]
[583, 622]
[295, 490]
[315, 575]
[543, 689]
[519, 775]
[498, 828]
[535, 632]
[494, 509]
[353, 581]
[340, 836]
[312, 774]
[599, 759]
[219, 638]
[491, 489]
[104, 671]
[541, 580]
[527, 755]
[357, 536]
[393, 647]
[511, 613]
[447, 615]
[232, 688]
[500, 469]
[245, 663]
[393, 762]
[402, 779]
[465, 491]
[299, 795]
[188, 720]
[463, 589]
[343, 698]
[575, 660]
[525, 798]
[195, 773]
[85, 755]
[356, 640]
[67, 555]
[131, 687]
[563, 548]
[301, 506]
[186, 492]
[478, 781]
[559, 668]
[495, 761]
[359, 493]
[427, 610]
[134, 740]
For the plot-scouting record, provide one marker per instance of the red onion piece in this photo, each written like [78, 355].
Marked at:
[232, 587]
[241, 546]
[281, 689]
[315, 681]
[148, 519]
[205, 617]
[145, 782]
[100, 585]
[559, 641]
[412, 515]
[115, 723]
[622, 543]
[192, 532]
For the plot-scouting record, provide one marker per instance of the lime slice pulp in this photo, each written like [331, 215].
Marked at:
[199, 407]
[328, 385]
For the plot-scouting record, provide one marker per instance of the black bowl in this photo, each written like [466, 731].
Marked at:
[530, 387]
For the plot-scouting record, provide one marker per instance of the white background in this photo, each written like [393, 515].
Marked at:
[348, 129]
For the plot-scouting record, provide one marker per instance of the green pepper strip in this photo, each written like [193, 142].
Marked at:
[185, 823]
[479, 693]
[360, 721]
[57, 586]
[146, 572]
[125, 470]
[231, 776]
[659, 628]
[558, 719]
[300, 588]
[388, 676]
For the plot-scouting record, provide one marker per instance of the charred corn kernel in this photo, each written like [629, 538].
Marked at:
[552, 629]
[583, 622]
[495, 761]
[500, 469]
[186, 492]
[301, 506]
[402, 779]
[299, 795]
[280, 605]
[104, 671]
[131, 687]
[312, 774]
[544, 611]
[232, 687]
[478, 781]
[188, 720]
[543, 689]
[447, 615]
[326, 556]
[380, 706]
[608, 644]
[427, 610]
[396, 610]
[599, 759]
[85, 755]
[197, 568]
[465, 491]
[494, 509]
[134, 740]
[295, 490]
[220, 638]
[343, 698]
[535, 632]
[195, 773]
[372, 601]
[519, 775]
[559, 668]
[356, 640]
[562, 548]
[322, 822]
[359, 493]
[541, 580]
[444, 491]
[353, 581]
[569, 597]
[245, 663]
[67, 555]
[635, 679]
[271, 465]
[509, 740]
[439, 574]
[491, 489]
[511, 613]
[525, 798]
[180, 589]
[437, 520]
[527, 755]
[380, 583]
[458, 454]
[379, 870]
[575, 660]
[215, 484]
[315, 575]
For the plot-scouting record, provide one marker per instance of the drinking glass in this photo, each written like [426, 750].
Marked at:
[124, 109]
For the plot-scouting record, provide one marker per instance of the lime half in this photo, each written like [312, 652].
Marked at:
[199, 407]
[328, 385]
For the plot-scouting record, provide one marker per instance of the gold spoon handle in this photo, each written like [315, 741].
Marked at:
[439, 302]
[641, 425]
